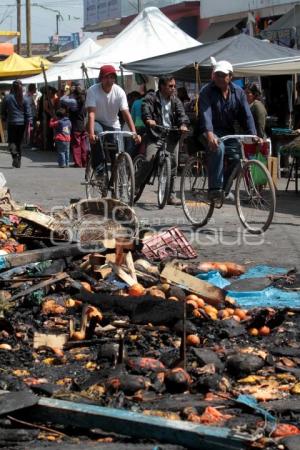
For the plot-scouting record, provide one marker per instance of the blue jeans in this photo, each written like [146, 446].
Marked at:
[217, 177]
[98, 156]
[63, 153]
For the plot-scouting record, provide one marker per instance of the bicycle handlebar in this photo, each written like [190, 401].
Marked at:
[162, 127]
[246, 138]
[118, 133]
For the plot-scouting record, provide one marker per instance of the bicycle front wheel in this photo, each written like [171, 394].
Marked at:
[193, 190]
[255, 197]
[137, 163]
[164, 182]
[93, 188]
[124, 179]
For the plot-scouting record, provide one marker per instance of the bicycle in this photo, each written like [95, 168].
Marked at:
[161, 169]
[255, 198]
[121, 182]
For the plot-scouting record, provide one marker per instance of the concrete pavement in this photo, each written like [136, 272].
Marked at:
[41, 182]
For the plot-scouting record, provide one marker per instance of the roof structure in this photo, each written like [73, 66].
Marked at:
[248, 55]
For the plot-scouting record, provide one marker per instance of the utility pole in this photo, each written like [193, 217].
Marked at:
[57, 32]
[139, 5]
[19, 26]
[28, 27]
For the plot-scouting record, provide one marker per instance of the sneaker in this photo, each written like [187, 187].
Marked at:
[16, 161]
[174, 201]
[230, 197]
[215, 195]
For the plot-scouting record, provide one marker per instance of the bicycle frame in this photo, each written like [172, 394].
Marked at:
[120, 135]
[161, 152]
[242, 139]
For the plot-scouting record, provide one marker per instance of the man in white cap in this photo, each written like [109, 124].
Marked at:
[221, 104]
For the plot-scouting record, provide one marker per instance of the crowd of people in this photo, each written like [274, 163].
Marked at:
[71, 118]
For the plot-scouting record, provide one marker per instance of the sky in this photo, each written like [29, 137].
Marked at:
[43, 21]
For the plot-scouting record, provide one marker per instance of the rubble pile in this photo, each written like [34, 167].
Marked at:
[109, 348]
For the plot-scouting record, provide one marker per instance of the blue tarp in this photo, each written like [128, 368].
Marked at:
[269, 296]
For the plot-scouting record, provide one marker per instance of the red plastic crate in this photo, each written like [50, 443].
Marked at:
[170, 243]
[253, 149]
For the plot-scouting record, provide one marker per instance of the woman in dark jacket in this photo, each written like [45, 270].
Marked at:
[16, 112]
[257, 108]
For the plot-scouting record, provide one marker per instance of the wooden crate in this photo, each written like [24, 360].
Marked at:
[273, 168]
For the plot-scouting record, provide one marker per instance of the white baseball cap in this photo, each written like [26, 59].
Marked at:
[223, 66]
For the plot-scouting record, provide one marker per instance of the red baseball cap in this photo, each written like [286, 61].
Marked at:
[107, 70]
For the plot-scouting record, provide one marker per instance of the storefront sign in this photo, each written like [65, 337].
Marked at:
[213, 8]
[100, 10]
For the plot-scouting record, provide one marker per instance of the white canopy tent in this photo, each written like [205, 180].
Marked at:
[151, 33]
[69, 68]
[281, 66]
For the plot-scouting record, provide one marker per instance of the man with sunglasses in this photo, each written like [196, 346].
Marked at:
[104, 101]
[222, 104]
[163, 108]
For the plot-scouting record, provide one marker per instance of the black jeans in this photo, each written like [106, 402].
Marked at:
[15, 134]
[152, 147]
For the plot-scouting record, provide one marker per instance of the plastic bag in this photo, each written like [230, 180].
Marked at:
[259, 177]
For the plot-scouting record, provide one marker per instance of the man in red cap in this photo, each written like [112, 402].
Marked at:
[104, 101]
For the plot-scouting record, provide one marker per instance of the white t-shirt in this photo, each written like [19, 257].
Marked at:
[107, 105]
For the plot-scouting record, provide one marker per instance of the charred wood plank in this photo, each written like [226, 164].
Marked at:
[14, 401]
[14, 436]
[136, 425]
[141, 310]
[177, 403]
[44, 254]
[285, 351]
[286, 405]
[41, 285]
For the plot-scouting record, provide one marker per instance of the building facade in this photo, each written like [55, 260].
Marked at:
[111, 16]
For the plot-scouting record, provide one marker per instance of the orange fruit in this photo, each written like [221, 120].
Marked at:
[197, 313]
[193, 303]
[192, 339]
[193, 297]
[210, 309]
[230, 311]
[213, 315]
[264, 331]
[136, 290]
[237, 318]
[253, 331]
[241, 313]
[223, 314]
[200, 303]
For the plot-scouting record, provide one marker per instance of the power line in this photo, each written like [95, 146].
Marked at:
[69, 3]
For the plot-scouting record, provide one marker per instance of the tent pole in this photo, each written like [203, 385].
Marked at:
[198, 82]
[122, 75]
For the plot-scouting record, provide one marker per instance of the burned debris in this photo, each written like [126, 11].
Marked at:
[103, 346]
